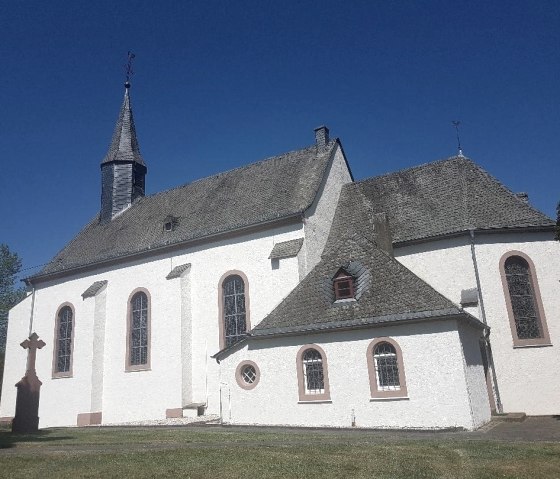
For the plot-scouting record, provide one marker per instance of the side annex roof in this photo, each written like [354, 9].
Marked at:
[446, 197]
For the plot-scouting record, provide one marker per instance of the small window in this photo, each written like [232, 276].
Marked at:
[312, 374]
[523, 300]
[247, 375]
[343, 285]
[63, 342]
[138, 338]
[170, 223]
[386, 369]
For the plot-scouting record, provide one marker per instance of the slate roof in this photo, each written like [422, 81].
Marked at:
[124, 144]
[286, 249]
[280, 187]
[94, 289]
[445, 197]
[393, 294]
[178, 271]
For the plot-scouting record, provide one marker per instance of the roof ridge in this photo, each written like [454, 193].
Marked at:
[242, 167]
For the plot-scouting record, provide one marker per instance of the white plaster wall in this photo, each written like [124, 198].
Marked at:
[318, 218]
[16, 356]
[528, 379]
[433, 363]
[474, 374]
[129, 396]
[445, 264]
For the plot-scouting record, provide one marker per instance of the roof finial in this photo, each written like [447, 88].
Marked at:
[128, 69]
[456, 124]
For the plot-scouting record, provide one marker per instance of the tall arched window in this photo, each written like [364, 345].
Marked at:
[523, 301]
[312, 374]
[234, 309]
[138, 338]
[64, 334]
[386, 369]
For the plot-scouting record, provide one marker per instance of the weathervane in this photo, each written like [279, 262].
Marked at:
[456, 124]
[128, 69]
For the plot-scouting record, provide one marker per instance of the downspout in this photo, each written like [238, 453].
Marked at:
[487, 346]
[32, 307]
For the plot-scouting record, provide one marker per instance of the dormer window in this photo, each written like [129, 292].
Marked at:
[170, 223]
[343, 285]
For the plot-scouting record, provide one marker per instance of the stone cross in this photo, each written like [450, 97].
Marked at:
[26, 419]
[33, 343]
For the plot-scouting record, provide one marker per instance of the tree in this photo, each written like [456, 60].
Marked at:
[10, 295]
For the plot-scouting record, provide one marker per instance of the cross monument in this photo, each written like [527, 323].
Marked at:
[27, 402]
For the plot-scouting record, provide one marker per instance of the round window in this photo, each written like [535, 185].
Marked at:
[247, 374]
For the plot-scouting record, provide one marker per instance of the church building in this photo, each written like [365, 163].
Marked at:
[286, 293]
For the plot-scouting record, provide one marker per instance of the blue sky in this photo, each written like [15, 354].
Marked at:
[220, 84]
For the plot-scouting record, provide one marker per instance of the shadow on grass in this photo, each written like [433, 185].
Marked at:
[9, 439]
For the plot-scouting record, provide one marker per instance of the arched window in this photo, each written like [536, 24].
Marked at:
[523, 301]
[138, 338]
[312, 374]
[63, 346]
[234, 308]
[386, 369]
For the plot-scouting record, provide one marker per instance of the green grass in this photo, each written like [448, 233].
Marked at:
[236, 453]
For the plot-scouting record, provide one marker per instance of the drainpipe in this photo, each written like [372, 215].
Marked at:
[487, 346]
[32, 307]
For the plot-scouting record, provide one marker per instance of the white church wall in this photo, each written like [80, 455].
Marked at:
[526, 376]
[435, 379]
[147, 394]
[474, 373]
[16, 356]
[319, 216]
[445, 264]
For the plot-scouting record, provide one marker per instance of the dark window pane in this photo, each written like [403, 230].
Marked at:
[234, 310]
[386, 367]
[522, 298]
[139, 329]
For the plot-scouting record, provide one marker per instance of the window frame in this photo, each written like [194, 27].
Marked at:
[544, 340]
[342, 276]
[305, 396]
[375, 390]
[221, 304]
[239, 378]
[70, 373]
[129, 367]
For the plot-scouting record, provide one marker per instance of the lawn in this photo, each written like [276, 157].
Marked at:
[236, 453]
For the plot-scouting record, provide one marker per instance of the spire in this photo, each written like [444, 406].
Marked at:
[124, 144]
[123, 170]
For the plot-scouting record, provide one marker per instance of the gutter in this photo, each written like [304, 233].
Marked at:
[487, 345]
[454, 234]
[162, 249]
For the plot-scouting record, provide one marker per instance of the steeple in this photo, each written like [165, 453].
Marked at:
[123, 169]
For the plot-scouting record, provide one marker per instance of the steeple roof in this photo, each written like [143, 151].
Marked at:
[124, 144]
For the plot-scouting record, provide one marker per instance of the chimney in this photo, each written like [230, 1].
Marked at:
[321, 135]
